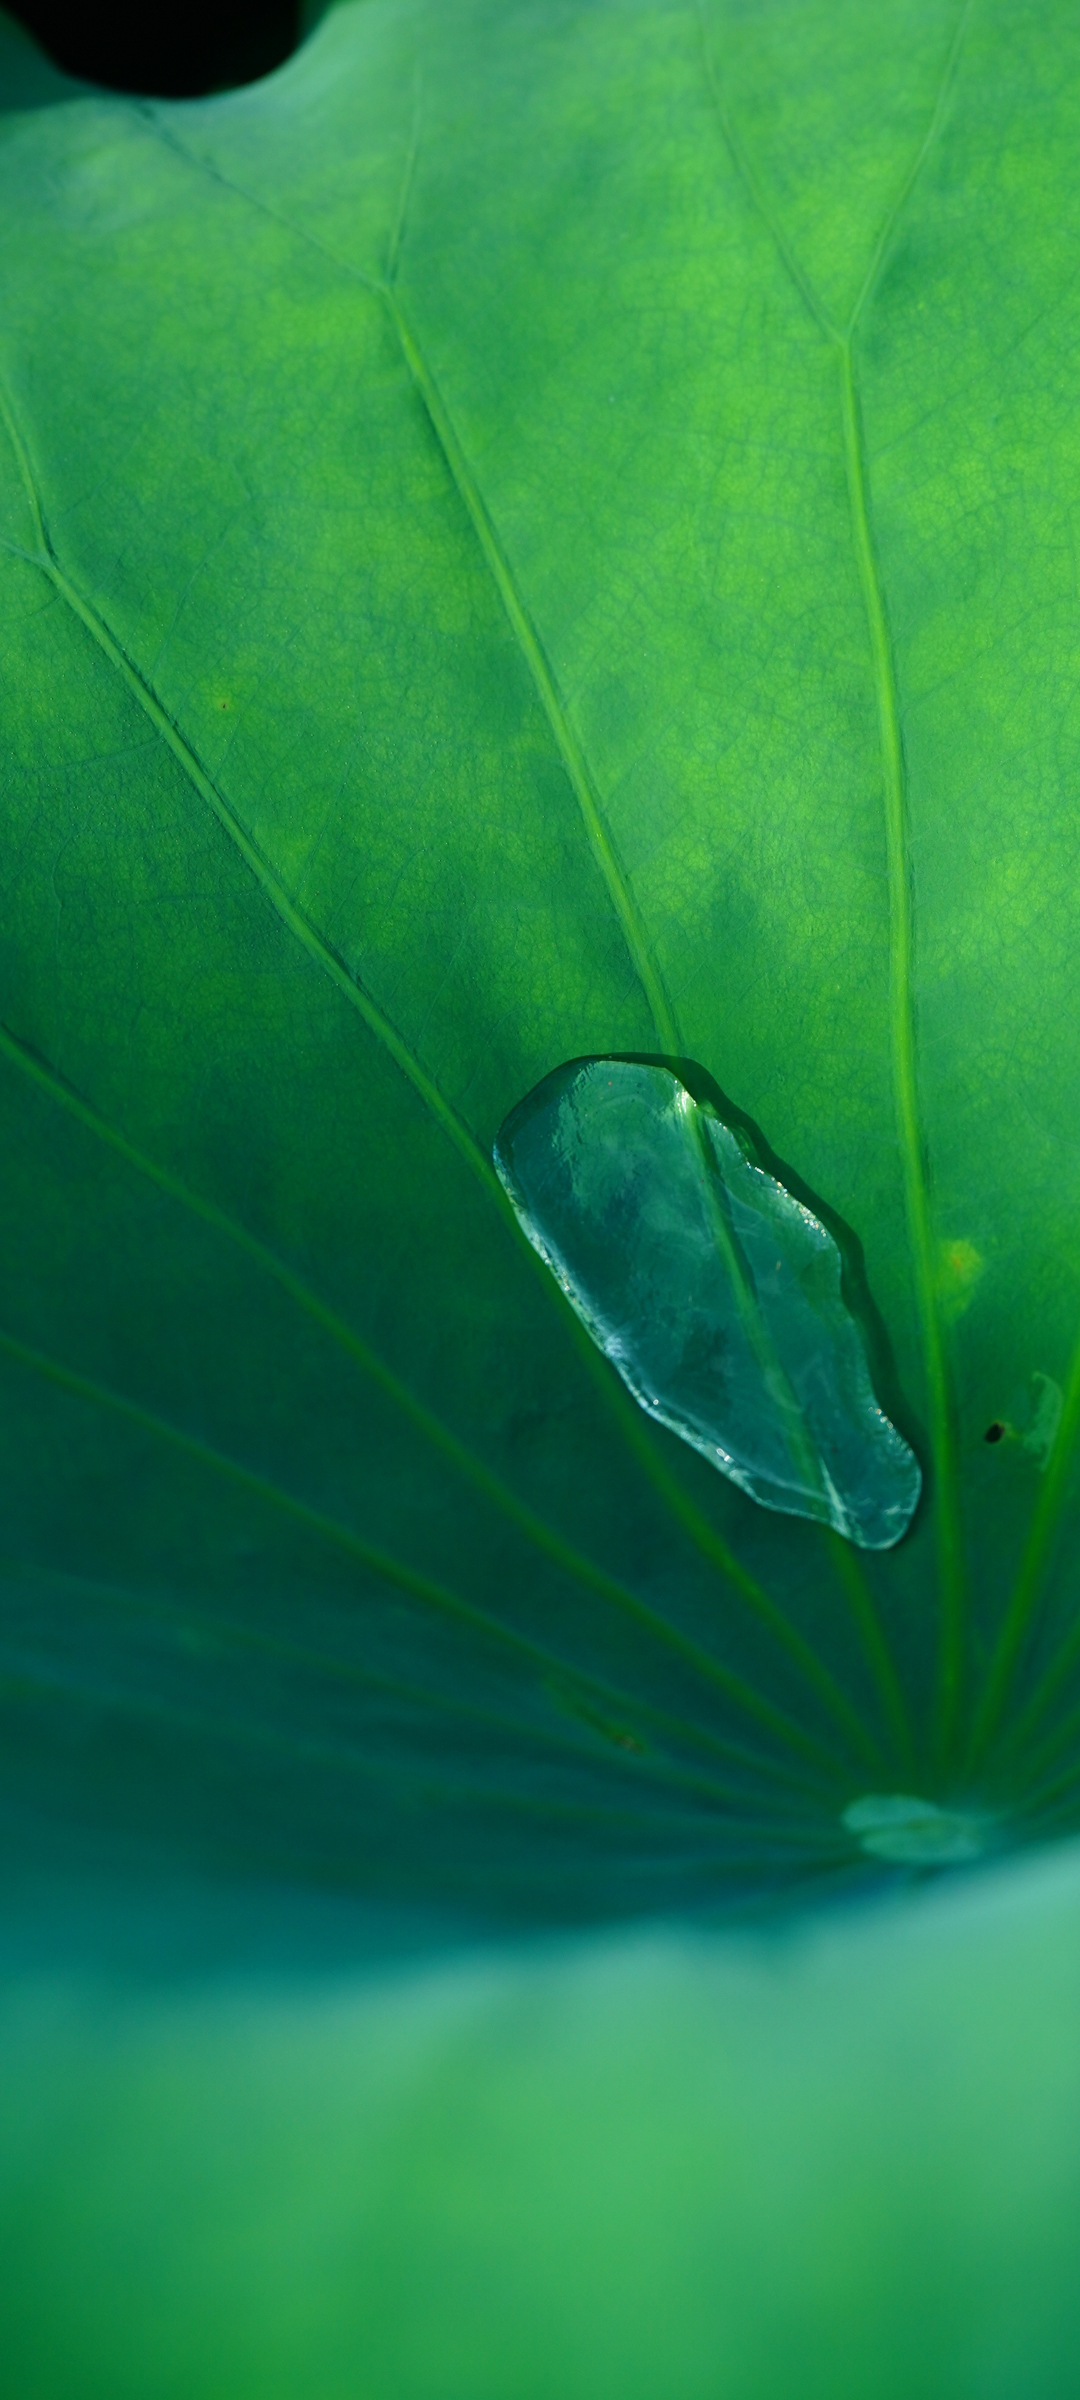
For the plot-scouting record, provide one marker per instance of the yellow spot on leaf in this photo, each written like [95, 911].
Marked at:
[960, 1267]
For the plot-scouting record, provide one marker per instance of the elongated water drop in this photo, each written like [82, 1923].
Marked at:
[713, 1291]
[916, 1833]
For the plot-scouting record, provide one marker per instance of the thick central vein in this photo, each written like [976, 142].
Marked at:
[905, 1077]
[902, 1028]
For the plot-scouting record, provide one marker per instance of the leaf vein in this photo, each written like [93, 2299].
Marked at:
[380, 1562]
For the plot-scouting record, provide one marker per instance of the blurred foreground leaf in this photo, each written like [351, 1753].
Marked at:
[845, 2162]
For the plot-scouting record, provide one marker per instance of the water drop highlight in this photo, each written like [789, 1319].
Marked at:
[713, 1291]
[915, 1833]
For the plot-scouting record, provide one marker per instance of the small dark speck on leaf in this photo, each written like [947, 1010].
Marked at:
[995, 1432]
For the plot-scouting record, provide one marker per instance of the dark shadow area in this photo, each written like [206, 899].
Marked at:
[167, 49]
[854, 1282]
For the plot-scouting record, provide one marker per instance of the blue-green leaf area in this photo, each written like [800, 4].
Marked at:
[537, 532]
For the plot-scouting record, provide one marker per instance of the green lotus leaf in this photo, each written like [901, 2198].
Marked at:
[545, 531]
[534, 532]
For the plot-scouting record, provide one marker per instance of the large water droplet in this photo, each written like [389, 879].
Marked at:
[714, 1292]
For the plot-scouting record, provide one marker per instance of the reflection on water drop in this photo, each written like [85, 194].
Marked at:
[714, 1292]
[914, 1833]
